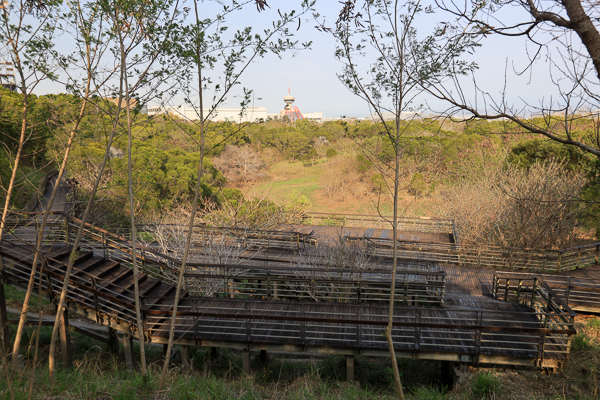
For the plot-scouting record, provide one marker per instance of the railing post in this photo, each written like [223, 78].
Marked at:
[66, 225]
[519, 290]
[95, 296]
[104, 246]
[567, 295]
[144, 312]
[4, 339]
[417, 330]
[597, 253]
[225, 283]
[65, 338]
[143, 255]
[479, 322]
[248, 323]
[359, 329]
[533, 294]
[302, 326]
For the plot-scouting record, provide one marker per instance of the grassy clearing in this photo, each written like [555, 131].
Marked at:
[292, 180]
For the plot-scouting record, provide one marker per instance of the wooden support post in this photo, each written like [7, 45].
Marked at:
[214, 353]
[4, 342]
[186, 358]
[246, 361]
[128, 348]
[66, 224]
[263, 357]
[65, 339]
[350, 368]
[113, 340]
[447, 374]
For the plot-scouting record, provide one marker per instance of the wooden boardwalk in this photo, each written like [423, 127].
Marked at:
[475, 329]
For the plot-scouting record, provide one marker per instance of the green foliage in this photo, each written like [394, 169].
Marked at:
[485, 385]
[594, 323]
[363, 163]
[377, 183]
[590, 216]
[428, 393]
[417, 186]
[581, 342]
[331, 152]
[526, 153]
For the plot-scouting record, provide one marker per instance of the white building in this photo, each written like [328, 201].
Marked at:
[404, 115]
[254, 114]
[314, 116]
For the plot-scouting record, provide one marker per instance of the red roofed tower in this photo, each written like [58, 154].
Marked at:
[289, 110]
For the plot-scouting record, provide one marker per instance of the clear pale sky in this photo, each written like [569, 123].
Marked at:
[311, 74]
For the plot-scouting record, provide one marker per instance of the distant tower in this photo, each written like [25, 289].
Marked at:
[289, 110]
[7, 76]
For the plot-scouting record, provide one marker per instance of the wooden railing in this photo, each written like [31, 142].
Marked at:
[580, 294]
[491, 257]
[348, 285]
[322, 285]
[412, 224]
[474, 334]
[549, 308]
[539, 261]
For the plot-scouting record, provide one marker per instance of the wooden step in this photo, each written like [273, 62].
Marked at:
[90, 264]
[148, 286]
[104, 269]
[129, 285]
[63, 261]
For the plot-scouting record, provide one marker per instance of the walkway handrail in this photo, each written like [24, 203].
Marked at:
[481, 256]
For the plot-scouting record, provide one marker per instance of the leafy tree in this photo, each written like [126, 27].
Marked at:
[384, 31]
[528, 152]
[568, 30]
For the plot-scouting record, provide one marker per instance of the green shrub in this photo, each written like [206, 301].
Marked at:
[417, 186]
[594, 323]
[428, 393]
[582, 343]
[331, 152]
[485, 385]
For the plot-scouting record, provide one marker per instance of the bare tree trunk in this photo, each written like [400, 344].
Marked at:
[15, 168]
[388, 329]
[23, 317]
[163, 375]
[63, 294]
[138, 314]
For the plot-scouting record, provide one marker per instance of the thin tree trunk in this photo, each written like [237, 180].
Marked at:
[37, 335]
[63, 294]
[388, 329]
[23, 317]
[13, 176]
[163, 375]
[136, 286]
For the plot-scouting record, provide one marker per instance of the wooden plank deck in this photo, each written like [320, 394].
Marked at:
[468, 327]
